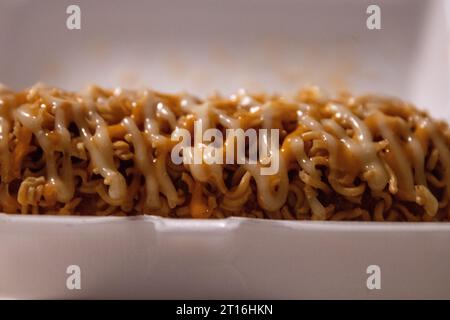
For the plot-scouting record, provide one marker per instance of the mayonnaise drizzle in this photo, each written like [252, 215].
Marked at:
[361, 145]
[48, 116]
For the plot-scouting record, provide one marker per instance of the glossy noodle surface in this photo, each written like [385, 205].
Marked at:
[108, 152]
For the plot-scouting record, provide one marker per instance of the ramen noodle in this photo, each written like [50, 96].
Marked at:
[108, 152]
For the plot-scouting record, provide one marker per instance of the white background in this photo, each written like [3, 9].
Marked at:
[202, 45]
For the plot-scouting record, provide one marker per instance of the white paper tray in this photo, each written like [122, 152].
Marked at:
[150, 257]
[200, 46]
